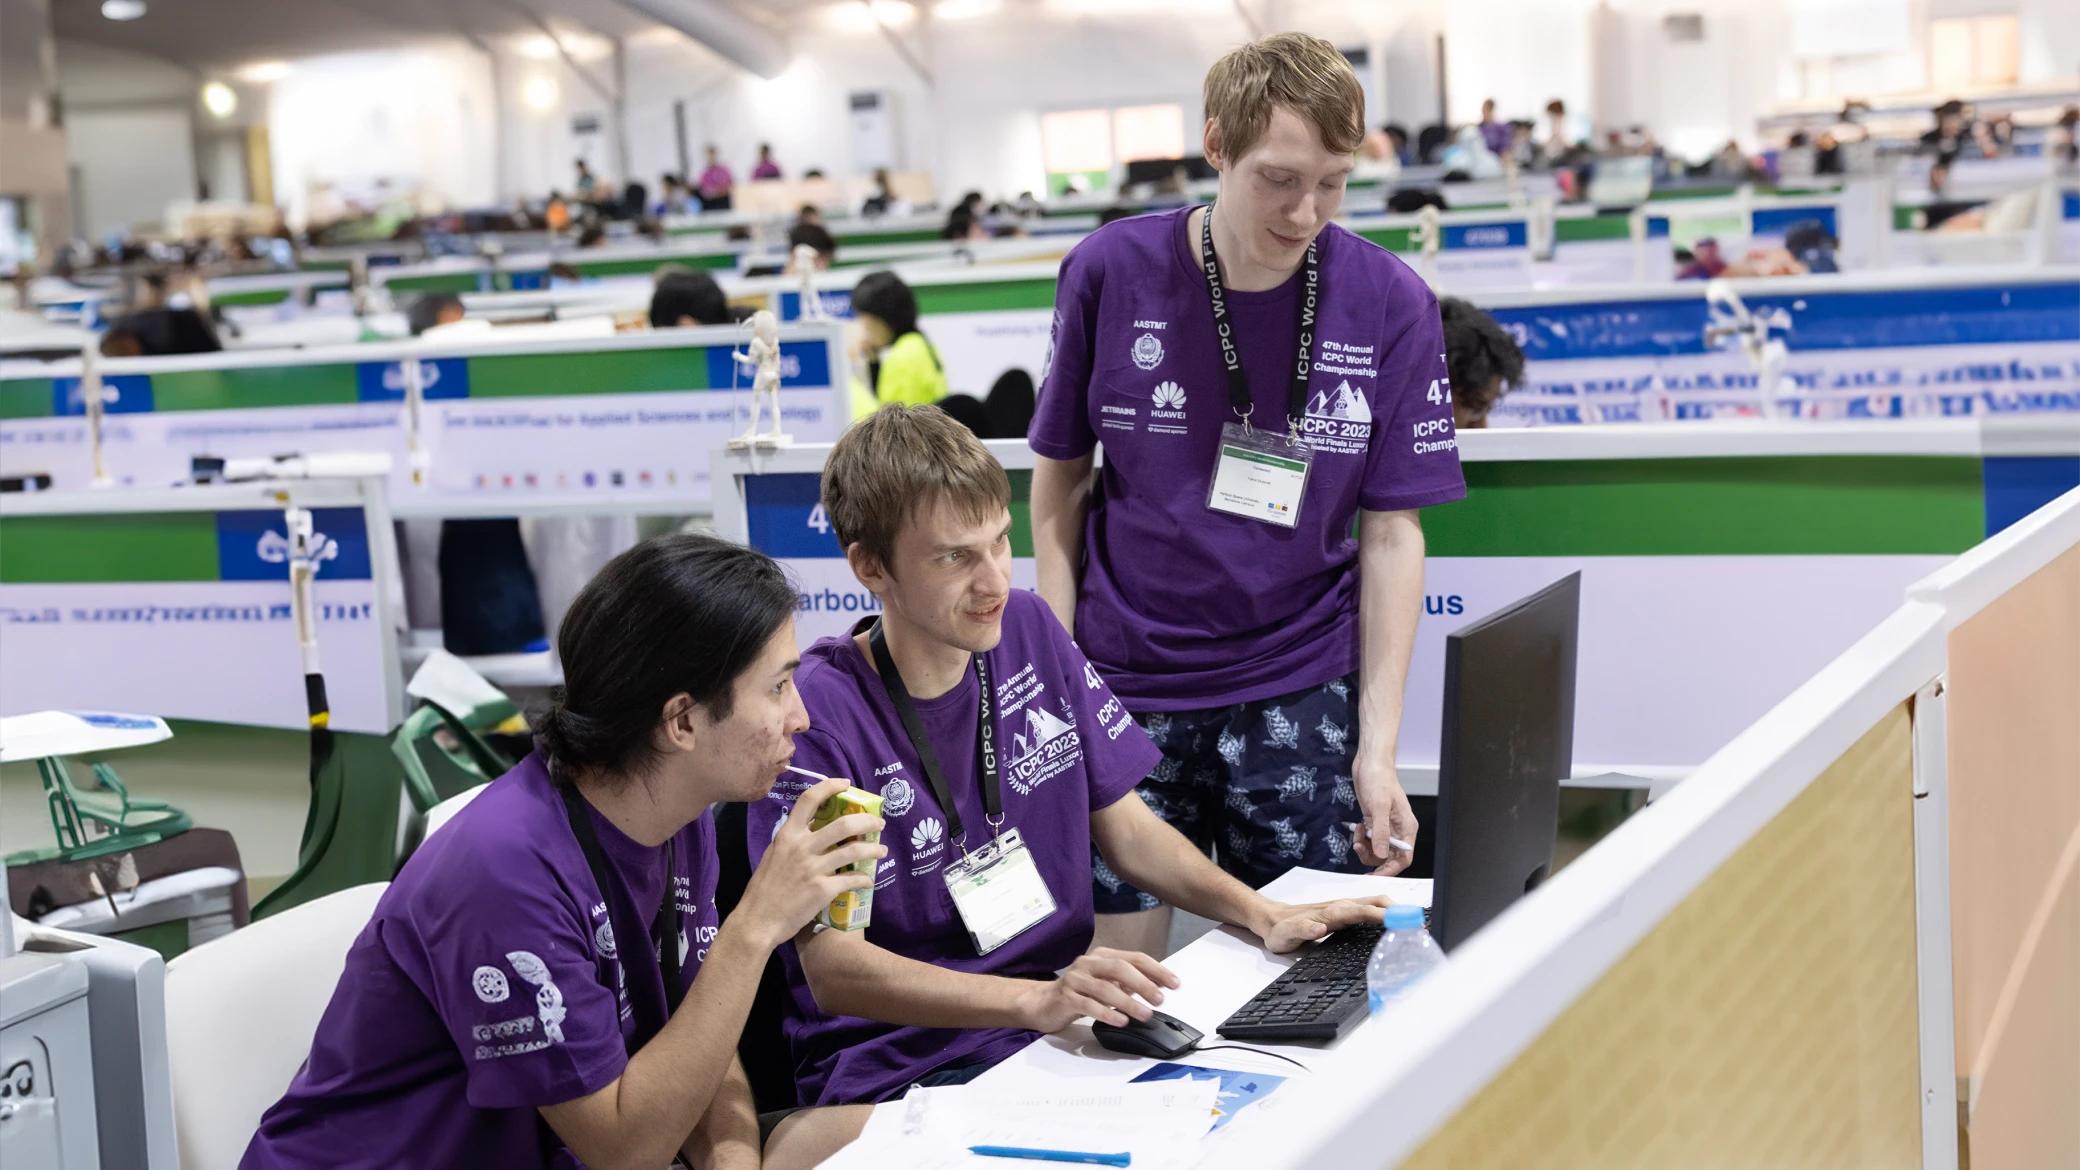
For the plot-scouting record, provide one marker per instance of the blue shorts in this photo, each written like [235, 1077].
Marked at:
[1262, 786]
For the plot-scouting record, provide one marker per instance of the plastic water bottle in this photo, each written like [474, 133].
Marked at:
[1405, 954]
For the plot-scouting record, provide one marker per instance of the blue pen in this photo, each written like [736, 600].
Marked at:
[1052, 1155]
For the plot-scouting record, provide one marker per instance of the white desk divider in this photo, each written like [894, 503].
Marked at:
[614, 424]
[1675, 659]
[176, 602]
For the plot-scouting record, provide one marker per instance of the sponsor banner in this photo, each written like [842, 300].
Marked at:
[220, 651]
[1677, 655]
[1953, 381]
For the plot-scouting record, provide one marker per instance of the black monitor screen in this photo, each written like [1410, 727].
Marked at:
[1508, 743]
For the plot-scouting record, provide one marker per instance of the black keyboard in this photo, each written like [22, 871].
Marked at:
[1316, 999]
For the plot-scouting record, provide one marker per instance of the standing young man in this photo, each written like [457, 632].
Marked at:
[1262, 381]
[999, 754]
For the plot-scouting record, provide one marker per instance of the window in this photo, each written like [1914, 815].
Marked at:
[1083, 147]
[1969, 51]
[1147, 132]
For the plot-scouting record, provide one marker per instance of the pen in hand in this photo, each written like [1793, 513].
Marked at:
[1392, 842]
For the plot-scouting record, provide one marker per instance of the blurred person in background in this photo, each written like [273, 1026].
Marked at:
[716, 183]
[1485, 362]
[687, 296]
[902, 365]
[765, 168]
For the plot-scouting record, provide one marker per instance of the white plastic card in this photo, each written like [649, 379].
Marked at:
[1260, 476]
[999, 892]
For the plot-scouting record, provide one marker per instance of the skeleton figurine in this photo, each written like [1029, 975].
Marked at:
[763, 356]
[1757, 334]
[805, 268]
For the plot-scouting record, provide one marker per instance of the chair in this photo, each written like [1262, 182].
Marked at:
[762, 1046]
[123, 822]
[1431, 141]
[472, 761]
[968, 411]
[240, 1016]
[1010, 405]
[445, 811]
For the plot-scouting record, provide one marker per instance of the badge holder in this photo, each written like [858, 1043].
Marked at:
[1260, 475]
[998, 891]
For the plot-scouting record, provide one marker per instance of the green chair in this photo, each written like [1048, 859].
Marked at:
[469, 760]
[96, 825]
[90, 824]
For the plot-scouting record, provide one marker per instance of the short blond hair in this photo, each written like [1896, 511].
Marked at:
[899, 461]
[1303, 73]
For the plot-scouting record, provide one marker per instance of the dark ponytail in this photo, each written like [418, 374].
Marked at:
[674, 615]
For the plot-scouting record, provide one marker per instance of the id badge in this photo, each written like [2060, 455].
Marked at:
[1260, 476]
[998, 891]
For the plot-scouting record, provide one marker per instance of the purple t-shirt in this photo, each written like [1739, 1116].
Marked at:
[476, 993]
[1184, 608]
[1065, 748]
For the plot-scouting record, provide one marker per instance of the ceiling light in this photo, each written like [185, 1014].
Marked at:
[539, 93]
[263, 72]
[219, 99]
[122, 9]
[538, 48]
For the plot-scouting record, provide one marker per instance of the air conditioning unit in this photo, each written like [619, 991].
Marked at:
[875, 142]
[1683, 28]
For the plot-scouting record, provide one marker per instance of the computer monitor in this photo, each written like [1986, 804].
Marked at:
[1508, 742]
[1626, 181]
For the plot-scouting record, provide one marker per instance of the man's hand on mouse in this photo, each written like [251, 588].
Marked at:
[1107, 985]
[1285, 927]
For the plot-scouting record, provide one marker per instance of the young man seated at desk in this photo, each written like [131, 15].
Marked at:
[988, 736]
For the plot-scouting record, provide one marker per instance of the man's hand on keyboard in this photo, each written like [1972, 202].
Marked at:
[1288, 928]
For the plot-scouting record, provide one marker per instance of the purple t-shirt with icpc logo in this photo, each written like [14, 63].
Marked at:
[1184, 608]
[489, 983]
[1066, 747]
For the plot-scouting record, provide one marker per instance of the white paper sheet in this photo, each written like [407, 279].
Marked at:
[1159, 1125]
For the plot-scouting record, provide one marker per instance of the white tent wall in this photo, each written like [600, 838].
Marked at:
[417, 119]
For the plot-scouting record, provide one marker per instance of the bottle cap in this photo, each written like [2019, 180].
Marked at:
[1404, 918]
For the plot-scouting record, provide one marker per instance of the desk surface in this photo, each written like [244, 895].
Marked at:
[1220, 971]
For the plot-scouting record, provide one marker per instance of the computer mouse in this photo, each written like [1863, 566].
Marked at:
[1163, 1036]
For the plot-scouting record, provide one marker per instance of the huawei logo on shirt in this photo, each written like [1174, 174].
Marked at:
[928, 835]
[927, 846]
[1167, 417]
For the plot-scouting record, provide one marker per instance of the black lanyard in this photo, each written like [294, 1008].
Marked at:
[661, 931]
[1310, 298]
[906, 709]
